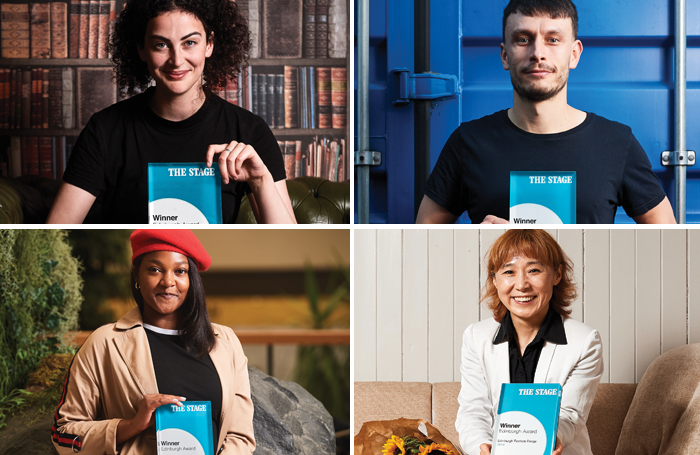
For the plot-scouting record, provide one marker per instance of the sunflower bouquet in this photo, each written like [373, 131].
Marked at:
[408, 445]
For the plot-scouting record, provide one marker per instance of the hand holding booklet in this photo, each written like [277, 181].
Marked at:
[185, 429]
[528, 416]
[542, 197]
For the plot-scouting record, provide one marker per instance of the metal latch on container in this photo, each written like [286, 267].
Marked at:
[424, 86]
[678, 158]
[368, 158]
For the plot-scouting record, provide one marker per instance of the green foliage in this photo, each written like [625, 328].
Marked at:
[40, 295]
[106, 265]
[325, 370]
[11, 403]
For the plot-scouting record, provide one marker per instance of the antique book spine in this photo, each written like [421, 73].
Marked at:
[68, 118]
[74, 35]
[339, 96]
[14, 30]
[26, 98]
[112, 20]
[271, 100]
[40, 28]
[289, 155]
[15, 156]
[84, 28]
[262, 97]
[338, 29]
[93, 28]
[45, 157]
[13, 98]
[313, 98]
[37, 75]
[279, 101]
[303, 100]
[44, 98]
[282, 28]
[254, 27]
[321, 28]
[309, 28]
[5, 97]
[56, 98]
[291, 97]
[231, 91]
[18, 99]
[30, 154]
[297, 159]
[255, 108]
[323, 86]
[103, 28]
[96, 91]
[59, 30]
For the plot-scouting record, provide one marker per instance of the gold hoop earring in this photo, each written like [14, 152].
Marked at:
[137, 286]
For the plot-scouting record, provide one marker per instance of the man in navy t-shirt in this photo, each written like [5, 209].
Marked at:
[541, 132]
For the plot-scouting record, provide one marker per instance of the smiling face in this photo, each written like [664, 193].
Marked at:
[163, 277]
[539, 52]
[175, 50]
[525, 287]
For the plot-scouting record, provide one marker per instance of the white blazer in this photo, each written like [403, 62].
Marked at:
[577, 366]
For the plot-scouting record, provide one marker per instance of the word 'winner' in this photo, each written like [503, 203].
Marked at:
[551, 179]
[193, 172]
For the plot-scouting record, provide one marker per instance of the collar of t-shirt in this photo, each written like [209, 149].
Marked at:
[153, 328]
[522, 368]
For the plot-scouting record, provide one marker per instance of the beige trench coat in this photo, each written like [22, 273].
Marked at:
[112, 372]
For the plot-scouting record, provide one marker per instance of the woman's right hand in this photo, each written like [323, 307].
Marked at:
[144, 418]
[485, 449]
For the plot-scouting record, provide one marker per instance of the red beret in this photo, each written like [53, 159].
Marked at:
[178, 240]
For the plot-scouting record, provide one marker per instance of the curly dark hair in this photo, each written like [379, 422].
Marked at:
[220, 17]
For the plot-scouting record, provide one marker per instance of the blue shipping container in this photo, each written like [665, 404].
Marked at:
[626, 74]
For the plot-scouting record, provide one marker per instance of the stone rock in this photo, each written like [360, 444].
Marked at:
[288, 420]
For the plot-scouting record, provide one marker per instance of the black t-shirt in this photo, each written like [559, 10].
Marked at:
[472, 173]
[111, 156]
[183, 374]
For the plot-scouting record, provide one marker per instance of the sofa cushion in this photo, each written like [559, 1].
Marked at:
[664, 416]
[391, 400]
[607, 415]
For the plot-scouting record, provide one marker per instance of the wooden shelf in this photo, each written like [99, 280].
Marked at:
[41, 132]
[297, 62]
[101, 62]
[309, 132]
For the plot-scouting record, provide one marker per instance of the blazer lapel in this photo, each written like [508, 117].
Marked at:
[221, 357]
[502, 371]
[545, 362]
[136, 353]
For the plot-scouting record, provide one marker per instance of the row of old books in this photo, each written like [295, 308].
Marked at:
[60, 97]
[321, 157]
[302, 97]
[45, 156]
[297, 28]
[79, 29]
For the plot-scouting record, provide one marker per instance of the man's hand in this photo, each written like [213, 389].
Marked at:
[493, 219]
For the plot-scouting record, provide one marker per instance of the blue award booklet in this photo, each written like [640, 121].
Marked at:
[528, 415]
[542, 197]
[184, 193]
[185, 429]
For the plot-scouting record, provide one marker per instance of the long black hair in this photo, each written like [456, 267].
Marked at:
[197, 334]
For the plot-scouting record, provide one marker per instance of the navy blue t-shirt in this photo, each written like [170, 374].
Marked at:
[472, 173]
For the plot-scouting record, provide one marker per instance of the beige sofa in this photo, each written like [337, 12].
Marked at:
[660, 415]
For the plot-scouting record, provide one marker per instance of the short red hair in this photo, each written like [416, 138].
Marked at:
[536, 244]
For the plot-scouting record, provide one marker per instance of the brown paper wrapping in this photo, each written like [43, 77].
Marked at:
[373, 435]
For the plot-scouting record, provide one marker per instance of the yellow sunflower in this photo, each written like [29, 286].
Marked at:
[435, 447]
[392, 444]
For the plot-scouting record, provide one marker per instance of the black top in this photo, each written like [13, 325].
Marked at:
[111, 156]
[183, 374]
[522, 369]
[473, 171]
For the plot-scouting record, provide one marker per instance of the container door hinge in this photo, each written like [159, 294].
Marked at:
[368, 158]
[424, 86]
[678, 158]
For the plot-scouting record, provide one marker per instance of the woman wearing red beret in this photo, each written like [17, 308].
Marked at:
[163, 352]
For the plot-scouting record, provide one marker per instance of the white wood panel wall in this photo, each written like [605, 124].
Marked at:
[417, 290]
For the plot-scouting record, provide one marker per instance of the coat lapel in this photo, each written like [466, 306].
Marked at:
[545, 362]
[135, 351]
[221, 357]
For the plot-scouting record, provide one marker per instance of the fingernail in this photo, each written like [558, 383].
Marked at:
[183, 399]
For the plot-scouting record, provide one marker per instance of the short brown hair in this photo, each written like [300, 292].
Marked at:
[536, 244]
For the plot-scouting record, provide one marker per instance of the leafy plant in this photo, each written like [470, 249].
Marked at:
[325, 370]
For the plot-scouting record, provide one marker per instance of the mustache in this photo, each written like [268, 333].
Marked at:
[539, 67]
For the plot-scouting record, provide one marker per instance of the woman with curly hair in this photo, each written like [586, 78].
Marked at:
[162, 352]
[175, 52]
[529, 339]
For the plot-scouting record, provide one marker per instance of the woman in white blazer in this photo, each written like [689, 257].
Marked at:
[528, 289]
